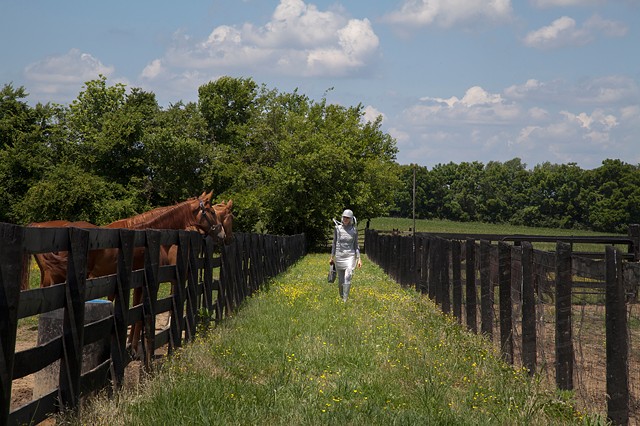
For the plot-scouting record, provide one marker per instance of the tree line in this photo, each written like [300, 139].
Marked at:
[290, 164]
[605, 199]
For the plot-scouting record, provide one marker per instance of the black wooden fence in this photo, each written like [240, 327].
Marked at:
[243, 266]
[466, 277]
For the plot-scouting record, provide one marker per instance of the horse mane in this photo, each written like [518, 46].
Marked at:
[161, 217]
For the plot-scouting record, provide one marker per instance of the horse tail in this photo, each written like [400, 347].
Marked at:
[26, 268]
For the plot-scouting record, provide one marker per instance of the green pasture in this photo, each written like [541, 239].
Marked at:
[295, 354]
[405, 227]
[437, 225]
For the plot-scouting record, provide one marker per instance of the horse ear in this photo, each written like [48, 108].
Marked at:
[229, 204]
[204, 194]
[206, 197]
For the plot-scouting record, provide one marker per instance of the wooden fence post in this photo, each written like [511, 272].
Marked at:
[506, 304]
[395, 258]
[634, 233]
[434, 271]
[564, 342]
[445, 279]
[471, 302]
[383, 242]
[207, 278]
[191, 295]
[408, 268]
[121, 304]
[425, 265]
[402, 258]
[179, 291]
[457, 279]
[73, 323]
[150, 295]
[617, 340]
[417, 261]
[486, 289]
[529, 343]
[11, 264]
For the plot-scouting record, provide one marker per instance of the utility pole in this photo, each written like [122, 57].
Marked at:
[414, 260]
[414, 202]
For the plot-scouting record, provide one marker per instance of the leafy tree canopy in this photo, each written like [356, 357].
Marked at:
[289, 163]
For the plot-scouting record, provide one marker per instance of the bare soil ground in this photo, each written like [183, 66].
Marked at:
[27, 337]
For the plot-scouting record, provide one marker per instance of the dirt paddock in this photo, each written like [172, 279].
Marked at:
[27, 337]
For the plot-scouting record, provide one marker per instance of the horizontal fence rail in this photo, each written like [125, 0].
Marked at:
[196, 295]
[568, 318]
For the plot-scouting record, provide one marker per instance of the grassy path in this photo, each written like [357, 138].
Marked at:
[296, 355]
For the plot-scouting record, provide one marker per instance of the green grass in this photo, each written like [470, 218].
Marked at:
[422, 225]
[296, 355]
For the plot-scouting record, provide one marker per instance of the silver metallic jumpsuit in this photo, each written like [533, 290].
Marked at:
[346, 253]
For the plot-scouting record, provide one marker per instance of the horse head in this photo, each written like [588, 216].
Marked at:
[207, 219]
[225, 217]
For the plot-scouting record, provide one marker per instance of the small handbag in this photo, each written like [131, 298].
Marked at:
[331, 277]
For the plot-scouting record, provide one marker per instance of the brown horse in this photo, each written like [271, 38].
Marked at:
[196, 213]
[53, 266]
[221, 230]
[224, 216]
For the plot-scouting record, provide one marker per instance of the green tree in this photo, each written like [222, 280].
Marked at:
[304, 161]
[68, 192]
[445, 203]
[558, 197]
[503, 189]
[465, 190]
[108, 127]
[176, 155]
[15, 115]
[30, 140]
[617, 196]
[290, 163]
[227, 105]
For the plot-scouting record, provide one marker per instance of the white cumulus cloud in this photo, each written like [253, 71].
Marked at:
[152, 70]
[524, 122]
[299, 40]
[371, 113]
[71, 68]
[565, 3]
[564, 32]
[476, 106]
[612, 90]
[62, 76]
[447, 13]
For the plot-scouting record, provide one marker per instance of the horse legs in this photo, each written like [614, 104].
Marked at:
[135, 332]
[136, 329]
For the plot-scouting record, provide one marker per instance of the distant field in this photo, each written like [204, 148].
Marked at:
[406, 225]
[446, 226]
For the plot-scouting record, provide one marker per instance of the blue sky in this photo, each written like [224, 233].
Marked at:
[455, 80]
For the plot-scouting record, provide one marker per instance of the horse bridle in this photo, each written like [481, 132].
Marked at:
[213, 227]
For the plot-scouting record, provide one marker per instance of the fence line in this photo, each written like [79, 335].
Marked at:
[245, 265]
[558, 314]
